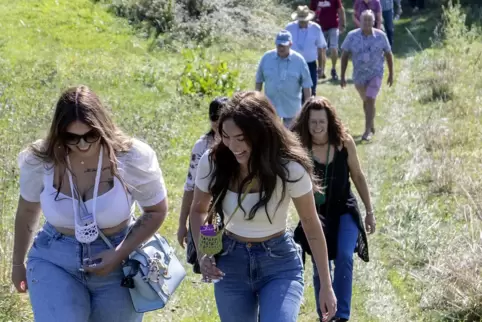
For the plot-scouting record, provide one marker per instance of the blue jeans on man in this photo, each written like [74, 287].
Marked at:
[388, 24]
[343, 272]
[313, 67]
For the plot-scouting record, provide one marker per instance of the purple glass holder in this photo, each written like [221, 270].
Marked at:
[208, 230]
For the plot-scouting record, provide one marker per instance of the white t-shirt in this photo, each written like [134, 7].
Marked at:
[138, 167]
[259, 226]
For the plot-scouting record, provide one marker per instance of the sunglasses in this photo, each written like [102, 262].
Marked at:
[73, 139]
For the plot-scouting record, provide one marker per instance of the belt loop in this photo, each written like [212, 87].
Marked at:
[57, 235]
[232, 245]
[266, 248]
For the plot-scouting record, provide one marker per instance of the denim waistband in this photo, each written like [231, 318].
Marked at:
[270, 243]
[50, 230]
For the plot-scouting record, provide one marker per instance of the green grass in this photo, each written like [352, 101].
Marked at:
[414, 165]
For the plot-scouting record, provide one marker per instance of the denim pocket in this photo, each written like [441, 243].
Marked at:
[42, 240]
[228, 246]
[285, 249]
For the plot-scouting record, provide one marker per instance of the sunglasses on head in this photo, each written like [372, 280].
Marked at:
[73, 139]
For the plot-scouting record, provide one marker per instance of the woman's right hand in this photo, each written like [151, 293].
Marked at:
[182, 235]
[209, 270]
[19, 278]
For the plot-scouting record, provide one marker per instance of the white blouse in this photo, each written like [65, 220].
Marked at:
[138, 168]
[259, 226]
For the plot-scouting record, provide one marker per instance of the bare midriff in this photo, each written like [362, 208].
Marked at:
[254, 240]
[107, 231]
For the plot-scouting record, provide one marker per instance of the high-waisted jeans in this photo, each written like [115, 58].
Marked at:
[59, 291]
[262, 279]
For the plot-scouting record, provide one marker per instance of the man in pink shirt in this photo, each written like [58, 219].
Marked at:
[373, 5]
[330, 15]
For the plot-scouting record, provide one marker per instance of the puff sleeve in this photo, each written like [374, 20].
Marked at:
[142, 174]
[32, 171]
[301, 182]
[204, 172]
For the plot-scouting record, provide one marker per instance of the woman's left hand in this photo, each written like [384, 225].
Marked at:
[370, 223]
[104, 263]
[328, 303]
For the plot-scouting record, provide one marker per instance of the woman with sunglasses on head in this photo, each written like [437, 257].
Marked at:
[334, 154]
[85, 177]
[253, 173]
[205, 142]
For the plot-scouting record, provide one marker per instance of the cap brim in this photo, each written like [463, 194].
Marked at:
[282, 43]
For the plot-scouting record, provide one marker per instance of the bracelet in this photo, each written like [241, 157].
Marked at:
[369, 212]
[17, 265]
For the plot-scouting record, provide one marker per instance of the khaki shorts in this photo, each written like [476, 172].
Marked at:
[331, 36]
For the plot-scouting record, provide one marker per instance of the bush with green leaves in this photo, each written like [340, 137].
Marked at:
[202, 77]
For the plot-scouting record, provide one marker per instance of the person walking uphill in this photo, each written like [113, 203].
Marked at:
[373, 5]
[308, 40]
[330, 15]
[252, 174]
[85, 177]
[388, 13]
[184, 234]
[368, 47]
[335, 158]
[285, 74]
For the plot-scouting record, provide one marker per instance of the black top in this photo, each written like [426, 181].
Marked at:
[339, 200]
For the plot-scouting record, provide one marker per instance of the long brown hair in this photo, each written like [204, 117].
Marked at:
[83, 105]
[272, 147]
[336, 130]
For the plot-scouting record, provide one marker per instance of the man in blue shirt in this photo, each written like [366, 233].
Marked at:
[285, 74]
[309, 41]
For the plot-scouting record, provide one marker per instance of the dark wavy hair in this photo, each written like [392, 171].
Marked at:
[336, 130]
[272, 147]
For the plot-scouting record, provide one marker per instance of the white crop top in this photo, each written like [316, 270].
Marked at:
[138, 167]
[259, 226]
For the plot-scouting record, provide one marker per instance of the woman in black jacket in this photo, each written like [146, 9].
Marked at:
[335, 159]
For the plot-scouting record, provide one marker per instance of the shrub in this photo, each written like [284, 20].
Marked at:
[204, 21]
[203, 78]
[154, 16]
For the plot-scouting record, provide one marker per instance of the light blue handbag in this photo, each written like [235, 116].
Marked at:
[152, 273]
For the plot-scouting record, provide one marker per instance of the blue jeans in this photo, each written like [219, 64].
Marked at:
[262, 279]
[388, 24]
[60, 292]
[343, 272]
[314, 78]
[288, 121]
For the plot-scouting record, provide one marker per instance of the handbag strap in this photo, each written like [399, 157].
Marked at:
[105, 239]
[250, 184]
[211, 214]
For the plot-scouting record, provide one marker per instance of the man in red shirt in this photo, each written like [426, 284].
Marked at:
[330, 15]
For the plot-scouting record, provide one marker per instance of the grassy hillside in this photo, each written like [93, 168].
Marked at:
[423, 166]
